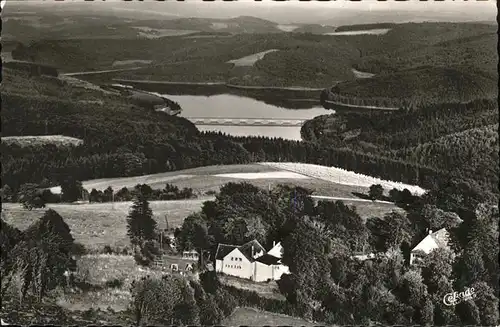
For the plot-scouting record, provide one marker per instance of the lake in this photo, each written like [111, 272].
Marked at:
[234, 106]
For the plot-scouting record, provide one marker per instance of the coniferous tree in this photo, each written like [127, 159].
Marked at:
[71, 190]
[140, 223]
[42, 257]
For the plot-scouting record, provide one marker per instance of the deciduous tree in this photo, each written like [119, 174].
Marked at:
[376, 192]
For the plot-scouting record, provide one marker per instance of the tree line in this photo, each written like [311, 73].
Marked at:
[411, 136]
[32, 196]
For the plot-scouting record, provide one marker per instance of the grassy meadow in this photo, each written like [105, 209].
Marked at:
[97, 271]
[97, 225]
[252, 317]
[204, 179]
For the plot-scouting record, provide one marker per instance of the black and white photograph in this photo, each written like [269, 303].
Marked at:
[249, 163]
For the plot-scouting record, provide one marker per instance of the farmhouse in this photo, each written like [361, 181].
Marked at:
[434, 240]
[250, 261]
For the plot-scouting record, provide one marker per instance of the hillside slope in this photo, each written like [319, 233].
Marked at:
[120, 139]
[478, 50]
[458, 138]
[473, 151]
[413, 87]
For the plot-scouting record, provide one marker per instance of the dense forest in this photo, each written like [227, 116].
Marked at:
[469, 50]
[457, 138]
[416, 87]
[362, 27]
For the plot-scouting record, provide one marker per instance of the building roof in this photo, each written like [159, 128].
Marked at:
[268, 260]
[223, 250]
[277, 250]
[436, 240]
[246, 249]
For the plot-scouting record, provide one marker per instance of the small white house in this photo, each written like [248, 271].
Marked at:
[434, 240]
[250, 261]
[190, 255]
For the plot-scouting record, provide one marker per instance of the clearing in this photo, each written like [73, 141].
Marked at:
[155, 33]
[270, 175]
[211, 178]
[360, 74]
[131, 62]
[251, 59]
[158, 181]
[287, 28]
[98, 269]
[100, 224]
[375, 31]
[341, 176]
[40, 140]
[245, 316]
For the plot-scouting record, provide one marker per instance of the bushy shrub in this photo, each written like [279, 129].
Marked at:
[114, 283]
[78, 249]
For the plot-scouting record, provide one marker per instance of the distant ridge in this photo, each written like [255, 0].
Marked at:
[422, 85]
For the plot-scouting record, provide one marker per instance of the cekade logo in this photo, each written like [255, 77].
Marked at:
[455, 298]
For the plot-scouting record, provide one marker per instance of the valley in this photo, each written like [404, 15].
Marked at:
[247, 171]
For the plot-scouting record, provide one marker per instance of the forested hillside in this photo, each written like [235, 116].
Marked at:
[472, 51]
[454, 137]
[473, 152]
[422, 63]
[303, 59]
[415, 87]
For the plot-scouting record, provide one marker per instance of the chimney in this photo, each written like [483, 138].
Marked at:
[274, 244]
[252, 251]
[430, 231]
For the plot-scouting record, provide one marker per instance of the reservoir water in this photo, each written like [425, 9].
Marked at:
[229, 106]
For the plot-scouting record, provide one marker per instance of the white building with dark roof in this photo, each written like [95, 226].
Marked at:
[250, 261]
[433, 241]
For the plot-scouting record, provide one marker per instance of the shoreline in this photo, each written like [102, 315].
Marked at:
[241, 87]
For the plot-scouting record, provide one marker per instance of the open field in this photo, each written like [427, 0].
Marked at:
[252, 317]
[360, 74]
[96, 270]
[41, 140]
[251, 59]
[367, 210]
[375, 31]
[131, 62]
[268, 290]
[97, 225]
[212, 178]
[154, 33]
[159, 180]
[341, 176]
